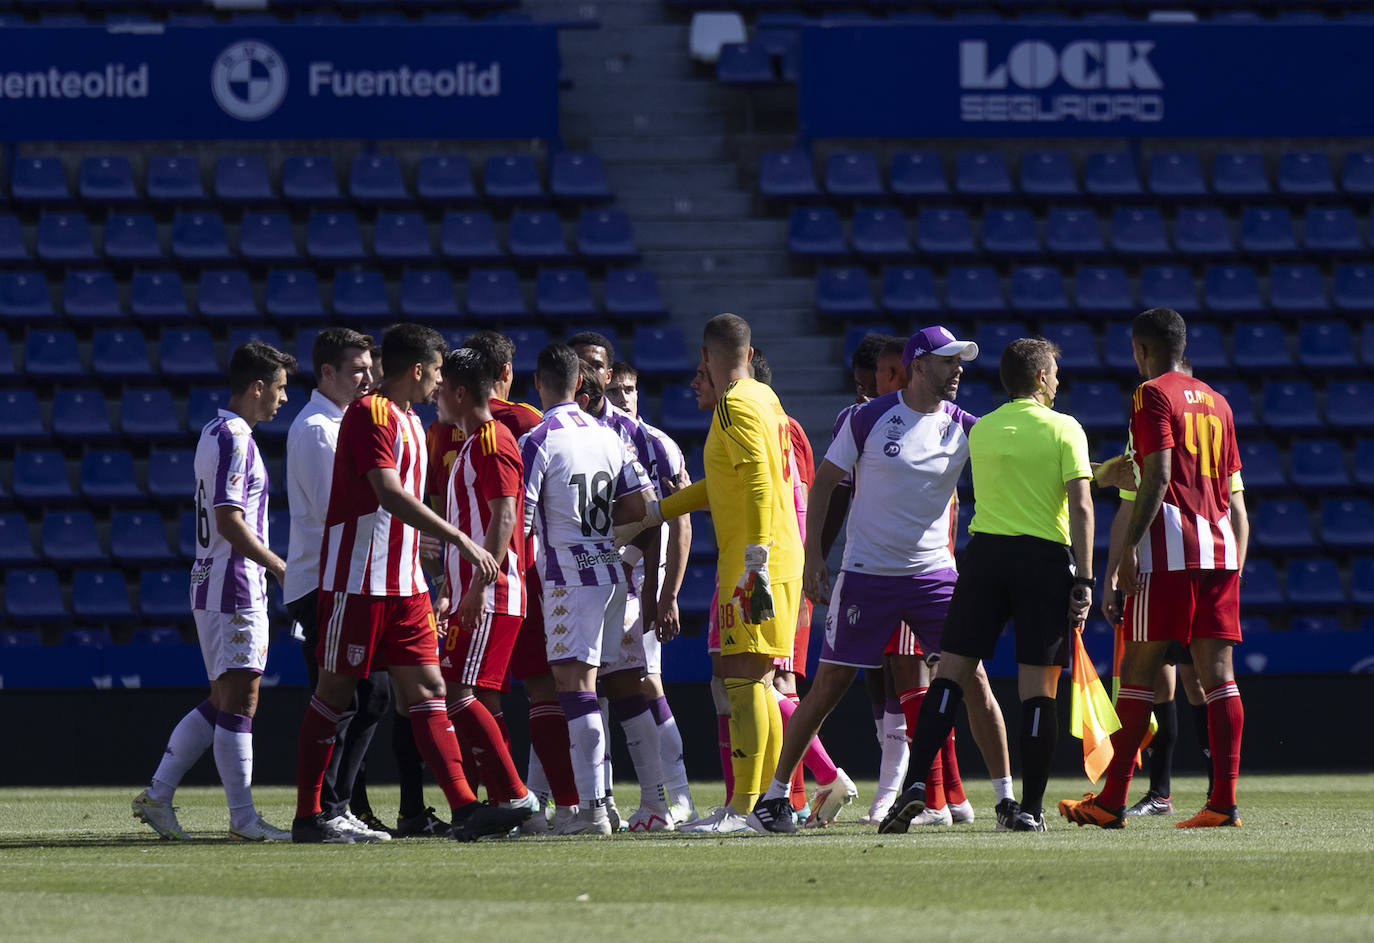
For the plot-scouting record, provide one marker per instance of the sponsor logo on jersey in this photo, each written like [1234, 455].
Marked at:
[892, 449]
[355, 655]
[589, 559]
[200, 573]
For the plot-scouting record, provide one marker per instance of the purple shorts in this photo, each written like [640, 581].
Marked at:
[865, 609]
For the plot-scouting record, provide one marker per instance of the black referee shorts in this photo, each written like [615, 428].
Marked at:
[1024, 580]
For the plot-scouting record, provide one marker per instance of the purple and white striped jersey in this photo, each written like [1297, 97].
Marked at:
[229, 472]
[575, 468]
[665, 465]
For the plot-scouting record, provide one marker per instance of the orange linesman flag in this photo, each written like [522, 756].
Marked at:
[1092, 718]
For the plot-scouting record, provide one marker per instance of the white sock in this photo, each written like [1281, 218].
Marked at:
[670, 758]
[1002, 786]
[895, 756]
[234, 760]
[641, 738]
[607, 773]
[536, 781]
[588, 739]
[190, 738]
[778, 790]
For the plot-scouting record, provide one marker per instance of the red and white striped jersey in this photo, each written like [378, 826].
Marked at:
[1192, 530]
[365, 549]
[488, 467]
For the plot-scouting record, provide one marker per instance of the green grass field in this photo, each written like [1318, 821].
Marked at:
[74, 865]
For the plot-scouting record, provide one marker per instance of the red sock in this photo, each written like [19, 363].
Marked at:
[1133, 706]
[439, 746]
[1225, 720]
[549, 736]
[911, 708]
[727, 765]
[314, 746]
[474, 725]
[954, 786]
[935, 778]
[500, 719]
[935, 784]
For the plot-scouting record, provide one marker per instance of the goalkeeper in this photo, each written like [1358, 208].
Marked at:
[748, 486]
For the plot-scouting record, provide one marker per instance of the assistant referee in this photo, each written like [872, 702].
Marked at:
[1029, 560]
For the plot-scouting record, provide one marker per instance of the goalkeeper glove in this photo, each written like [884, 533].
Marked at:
[753, 593]
[624, 533]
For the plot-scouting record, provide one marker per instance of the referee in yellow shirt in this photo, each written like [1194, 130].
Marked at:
[1029, 561]
[748, 486]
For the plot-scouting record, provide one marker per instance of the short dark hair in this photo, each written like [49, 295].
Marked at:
[1022, 360]
[1162, 331]
[405, 345]
[256, 361]
[622, 368]
[470, 369]
[593, 339]
[557, 368]
[499, 348]
[591, 387]
[331, 343]
[865, 356]
[761, 368]
[727, 331]
[892, 347]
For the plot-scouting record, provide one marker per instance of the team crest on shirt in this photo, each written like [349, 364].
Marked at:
[895, 428]
[892, 449]
[852, 614]
[355, 655]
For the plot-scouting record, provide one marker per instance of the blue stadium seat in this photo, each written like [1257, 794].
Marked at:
[108, 477]
[202, 405]
[81, 414]
[992, 338]
[1263, 590]
[1326, 346]
[40, 475]
[148, 415]
[1262, 348]
[1350, 406]
[1077, 345]
[918, 175]
[377, 179]
[1290, 407]
[537, 236]
[33, 596]
[101, 596]
[155, 635]
[563, 293]
[1267, 231]
[1352, 289]
[787, 175]
[1010, 233]
[267, 237]
[174, 180]
[308, 178]
[1315, 584]
[1116, 348]
[1103, 290]
[91, 297]
[1367, 343]
[1176, 175]
[698, 588]
[854, 175]
[633, 293]
[21, 638]
[360, 293]
[106, 180]
[280, 424]
[8, 371]
[1348, 523]
[1074, 232]
[745, 65]
[428, 294]
[68, 538]
[242, 335]
[158, 297]
[978, 398]
[469, 237]
[495, 293]
[974, 289]
[401, 237]
[1203, 232]
[1232, 290]
[880, 232]
[445, 178]
[334, 237]
[132, 237]
[164, 594]
[605, 235]
[279, 531]
[578, 177]
[528, 342]
[1317, 465]
[1361, 582]
[65, 237]
[1112, 175]
[293, 295]
[680, 416]
[139, 538]
[1039, 289]
[982, 174]
[662, 352]
[1048, 174]
[513, 178]
[1242, 405]
[1239, 175]
[12, 246]
[844, 292]
[243, 179]
[854, 335]
[1357, 173]
[1306, 174]
[1138, 232]
[16, 543]
[909, 290]
[303, 349]
[52, 355]
[118, 354]
[188, 355]
[945, 232]
[225, 296]
[1205, 350]
[1297, 290]
[1316, 625]
[200, 236]
[1282, 526]
[1099, 407]
[815, 232]
[171, 475]
[1364, 463]
[1261, 466]
[24, 298]
[39, 180]
[1332, 231]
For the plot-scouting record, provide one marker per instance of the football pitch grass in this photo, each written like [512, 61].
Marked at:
[74, 865]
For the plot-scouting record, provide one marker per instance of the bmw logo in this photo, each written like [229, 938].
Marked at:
[248, 80]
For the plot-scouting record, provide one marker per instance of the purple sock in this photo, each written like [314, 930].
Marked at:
[578, 703]
[626, 707]
[661, 711]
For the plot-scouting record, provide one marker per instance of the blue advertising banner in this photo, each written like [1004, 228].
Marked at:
[308, 81]
[1084, 79]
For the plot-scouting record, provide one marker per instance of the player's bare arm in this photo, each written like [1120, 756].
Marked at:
[669, 621]
[1081, 537]
[393, 498]
[815, 574]
[1240, 525]
[1154, 481]
[232, 526]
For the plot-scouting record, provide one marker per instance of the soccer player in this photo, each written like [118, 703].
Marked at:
[580, 479]
[374, 601]
[1030, 561]
[748, 487]
[1179, 567]
[228, 599]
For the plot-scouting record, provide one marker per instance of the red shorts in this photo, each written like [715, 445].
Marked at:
[801, 642]
[480, 658]
[528, 659]
[1181, 605]
[359, 634]
[903, 642]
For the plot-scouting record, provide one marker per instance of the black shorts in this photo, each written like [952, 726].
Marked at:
[1024, 580]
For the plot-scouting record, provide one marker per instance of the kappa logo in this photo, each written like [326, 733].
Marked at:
[240, 659]
[559, 591]
[561, 610]
[560, 649]
[831, 630]
[238, 638]
[560, 629]
[355, 655]
[248, 80]
[238, 620]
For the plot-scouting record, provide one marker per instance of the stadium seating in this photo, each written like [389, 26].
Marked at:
[108, 477]
[33, 595]
[1347, 523]
[1315, 584]
[139, 538]
[1282, 526]
[101, 596]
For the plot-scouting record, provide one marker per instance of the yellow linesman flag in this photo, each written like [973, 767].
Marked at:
[1118, 648]
[1092, 718]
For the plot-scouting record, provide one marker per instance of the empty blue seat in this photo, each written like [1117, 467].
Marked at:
[139, 538]
[1010, 233]
[854, 175]
[1350, 406]
[188, 354]
[445, 178]
[1103, 290]
[1297, 290]
[880, 233]
[8, 371]
[537, 236]
[918, 175]
[469, 237]
[39, 180]
[428, 294]
[40, 475]
[16, 543]
[33, 596]
[1262, 348]
[81, 414]
[1282, 526]
[1361, 582]
[174, 180]
[401, 237]
[528, 342]
[164, 594]
[1306, 174]
[377, 179]
[360, 293]
[680, 416]
[132, 237]
[1205, 350]
[1077, 346]
[1352, 289]
[309, 179]
[65, 237]
[945, 231]
[974, 289]
[1364, 463]
[334, 237]
[1326, 346]
[1263, 469]
[267, 237]
[69, 538]
[243, 179]
[787, 175]
[186, 535]
[1348, 523]
[24, 297]
[633, 293]
[158, 297]
[745, 65]
[280, 424]
[1099, 407]
[200, 237]
[1262, 587]
[171, 475]
[1111, 175]
[1357, 173]
[1317, 465]
[293, 295]
[1203, 232]
[1366, 344]
[578, 176]
[844, 292]
[1232, 289]
[1240, 175]
[1117, 353]
[1048, 174]
[993, 338]
[605, 235]
[100, 596]
[20, 638]
[1074, 233]
[1242, 405]
[52, 355]
[202, 405]
[909, 290]
[814, 232]
[662, 352]
[1315, 583]
[226, 296]
[108, 477]
[564, 293]
[148, 414]
[1139, 232]
[511, 178]
[495, 293]
[12, 246]
[20, 418]
[1267, 231]
[1290, 407]
[1176, 175]
[1332, 231]
[1039, 289]
[91, 296]
[982, 174]
[242, 335]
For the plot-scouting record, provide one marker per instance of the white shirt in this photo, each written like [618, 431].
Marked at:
[310, 447]
[230, 473]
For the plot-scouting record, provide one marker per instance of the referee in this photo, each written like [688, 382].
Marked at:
[1029, 561]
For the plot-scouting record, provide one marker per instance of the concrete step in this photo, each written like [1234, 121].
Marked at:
[654, 122]
[609, 13]
[676, 178]
[648, 40]
[651, 206]
[715, 234]
[627, 66]
[657, 150]
[705, 298]
[619, 94]
[732, 263]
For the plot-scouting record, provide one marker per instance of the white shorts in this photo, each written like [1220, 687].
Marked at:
[584, 623]
[653, 648]
[232, 641]
[634, 646]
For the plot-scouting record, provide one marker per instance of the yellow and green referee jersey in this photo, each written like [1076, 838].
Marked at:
[1023, 454]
